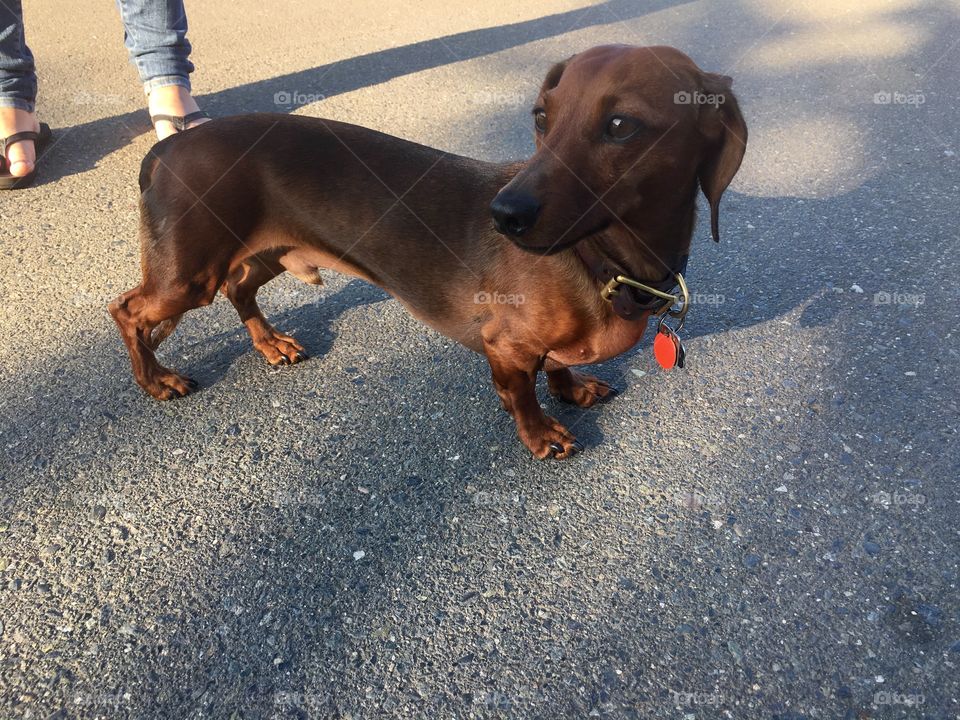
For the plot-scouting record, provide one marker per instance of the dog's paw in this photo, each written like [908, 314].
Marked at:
[165, 384]
[580, 389]
[549, 438]
[280, 349]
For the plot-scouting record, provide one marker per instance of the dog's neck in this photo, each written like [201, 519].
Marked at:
[647, 245]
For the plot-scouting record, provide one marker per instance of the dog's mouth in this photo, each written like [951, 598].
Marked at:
[556, 246]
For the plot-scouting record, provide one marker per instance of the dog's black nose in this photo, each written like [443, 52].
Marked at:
[514, 213]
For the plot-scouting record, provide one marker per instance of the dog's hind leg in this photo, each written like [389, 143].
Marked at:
[176, 278]
[162, 331]
[241, 288]
[139, 313]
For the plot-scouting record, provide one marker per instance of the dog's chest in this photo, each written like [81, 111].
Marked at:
[604, 341]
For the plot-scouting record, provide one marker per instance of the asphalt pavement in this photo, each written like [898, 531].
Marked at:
[770, 533]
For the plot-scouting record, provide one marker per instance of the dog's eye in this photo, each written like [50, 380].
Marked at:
[540, 120]
[622, 128]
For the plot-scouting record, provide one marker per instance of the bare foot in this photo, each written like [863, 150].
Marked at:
[21, 156]
[172, 100]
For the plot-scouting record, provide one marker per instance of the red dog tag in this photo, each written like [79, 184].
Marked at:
[667, 348]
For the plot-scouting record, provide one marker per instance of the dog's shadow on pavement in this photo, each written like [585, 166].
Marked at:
[310, 323]
[313, 322]
[744, 281]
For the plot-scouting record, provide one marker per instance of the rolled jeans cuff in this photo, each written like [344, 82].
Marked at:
[166, 81]
[18, 103]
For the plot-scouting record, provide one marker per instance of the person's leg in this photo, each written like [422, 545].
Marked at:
[18, 88]
[155, 33]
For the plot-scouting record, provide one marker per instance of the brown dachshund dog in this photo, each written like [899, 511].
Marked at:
[624, 137]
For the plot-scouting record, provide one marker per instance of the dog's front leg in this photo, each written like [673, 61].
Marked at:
[515, 379]
[578, 388]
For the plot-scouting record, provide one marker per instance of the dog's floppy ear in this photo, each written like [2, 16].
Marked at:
[553, 75]
[725, 134]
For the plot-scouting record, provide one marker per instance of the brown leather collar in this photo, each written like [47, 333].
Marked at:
[629, 303]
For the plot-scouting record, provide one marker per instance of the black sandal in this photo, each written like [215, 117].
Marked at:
[40, 141]
[179, 122]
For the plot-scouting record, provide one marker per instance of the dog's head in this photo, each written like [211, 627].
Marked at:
[623, 134]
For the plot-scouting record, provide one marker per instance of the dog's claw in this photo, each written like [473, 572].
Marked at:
[556, 447]
[576, 447]
[277, 348]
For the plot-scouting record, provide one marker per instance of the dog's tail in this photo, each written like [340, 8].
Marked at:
[149, 234]
[147, 167]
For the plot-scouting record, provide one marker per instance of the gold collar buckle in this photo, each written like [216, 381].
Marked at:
[611, 289]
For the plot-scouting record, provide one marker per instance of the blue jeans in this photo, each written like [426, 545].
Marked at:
[155, 33]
